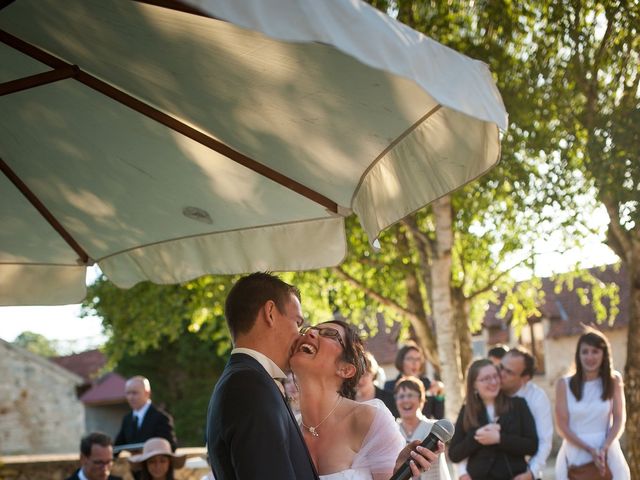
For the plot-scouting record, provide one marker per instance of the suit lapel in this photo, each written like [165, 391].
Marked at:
[299, 433]
[249, 361]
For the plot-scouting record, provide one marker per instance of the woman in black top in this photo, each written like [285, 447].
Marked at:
[494, 432]
[410, 362]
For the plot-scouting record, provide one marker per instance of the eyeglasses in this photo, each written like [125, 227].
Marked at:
[406, 396]
[327, 332]
[490, 378]
[102, 463]
[413, 359]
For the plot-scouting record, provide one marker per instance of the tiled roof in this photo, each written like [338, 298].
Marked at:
[85, 364]
[107, 390]
[564, 309]
[384, 345]
[567, 313]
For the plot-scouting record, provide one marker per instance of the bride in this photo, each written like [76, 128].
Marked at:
[347, 440]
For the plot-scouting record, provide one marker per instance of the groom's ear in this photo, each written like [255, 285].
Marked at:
[268, 310]
[346, 370]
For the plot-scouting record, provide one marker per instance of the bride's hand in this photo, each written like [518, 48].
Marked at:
[421, 457]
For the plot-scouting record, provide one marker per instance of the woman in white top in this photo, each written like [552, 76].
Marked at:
[347, 440]
[410, 397]
[590, 410]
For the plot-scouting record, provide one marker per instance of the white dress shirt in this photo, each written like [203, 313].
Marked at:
[141, 412]
[540, 407]
[269, 365]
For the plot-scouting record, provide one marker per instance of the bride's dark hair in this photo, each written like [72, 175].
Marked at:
[353, 353]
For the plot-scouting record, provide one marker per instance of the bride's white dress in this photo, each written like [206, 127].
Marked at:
[380, 448]
[590, 419]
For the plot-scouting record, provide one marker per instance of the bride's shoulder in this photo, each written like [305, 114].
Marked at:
[362, 415]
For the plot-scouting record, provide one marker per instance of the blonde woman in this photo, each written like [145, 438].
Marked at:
[410, 397]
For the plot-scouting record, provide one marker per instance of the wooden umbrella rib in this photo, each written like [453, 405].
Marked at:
[168, 121]
[44, 211]
[178, 6]
[37, 80]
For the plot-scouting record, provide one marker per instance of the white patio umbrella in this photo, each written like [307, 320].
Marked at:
[166, 140]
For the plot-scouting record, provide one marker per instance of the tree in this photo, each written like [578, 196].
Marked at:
[36, 343]
[586, 64]
[172, 334]
[461, 251]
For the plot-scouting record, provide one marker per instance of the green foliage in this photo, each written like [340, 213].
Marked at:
[147, 315]
[182, 373]
[36, 343]
[586, 67]
[569, 82]
[603, 297]
[173, 334]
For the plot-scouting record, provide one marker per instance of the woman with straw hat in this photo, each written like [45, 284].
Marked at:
[157, 461]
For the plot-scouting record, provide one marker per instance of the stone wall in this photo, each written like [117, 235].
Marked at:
[39, 409]
[59, 467]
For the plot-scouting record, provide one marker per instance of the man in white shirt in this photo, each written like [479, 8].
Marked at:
[517, 368]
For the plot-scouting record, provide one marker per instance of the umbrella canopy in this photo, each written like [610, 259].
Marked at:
[165, 140]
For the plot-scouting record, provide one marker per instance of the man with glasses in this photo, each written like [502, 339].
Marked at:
[517, 368]
[96, 458]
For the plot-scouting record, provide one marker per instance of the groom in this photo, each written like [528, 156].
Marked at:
[251, 432]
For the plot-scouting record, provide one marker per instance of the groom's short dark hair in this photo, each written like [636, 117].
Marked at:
[248, 296]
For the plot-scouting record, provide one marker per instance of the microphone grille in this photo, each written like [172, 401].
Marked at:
[443, 429]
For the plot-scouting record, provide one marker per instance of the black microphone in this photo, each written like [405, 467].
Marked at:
[441, 431]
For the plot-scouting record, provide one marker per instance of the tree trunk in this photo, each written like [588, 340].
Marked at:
[626, 244]
[632, 367]
[416, 303]
[443, 305]
[463, 334]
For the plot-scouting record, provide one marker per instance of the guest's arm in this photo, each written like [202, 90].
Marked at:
[462, 445]
[619, 412]
[525, 440]
[540, 407]
[164, 428]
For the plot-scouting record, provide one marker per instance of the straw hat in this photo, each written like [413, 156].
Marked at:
[156, 446]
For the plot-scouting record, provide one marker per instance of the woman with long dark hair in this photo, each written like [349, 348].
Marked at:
[590, 411]
[157, 461]
[494, 432]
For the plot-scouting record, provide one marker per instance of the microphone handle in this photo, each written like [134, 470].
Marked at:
[404, 472]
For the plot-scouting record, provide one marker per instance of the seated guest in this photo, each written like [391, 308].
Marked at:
[494, 432]
[157, 461]
[368, 390]
[96, 458]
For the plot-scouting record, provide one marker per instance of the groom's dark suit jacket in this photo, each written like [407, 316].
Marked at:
[155, 423]
[251, 432]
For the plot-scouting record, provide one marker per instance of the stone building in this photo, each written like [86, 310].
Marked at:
[39, 408]
[102, 394]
